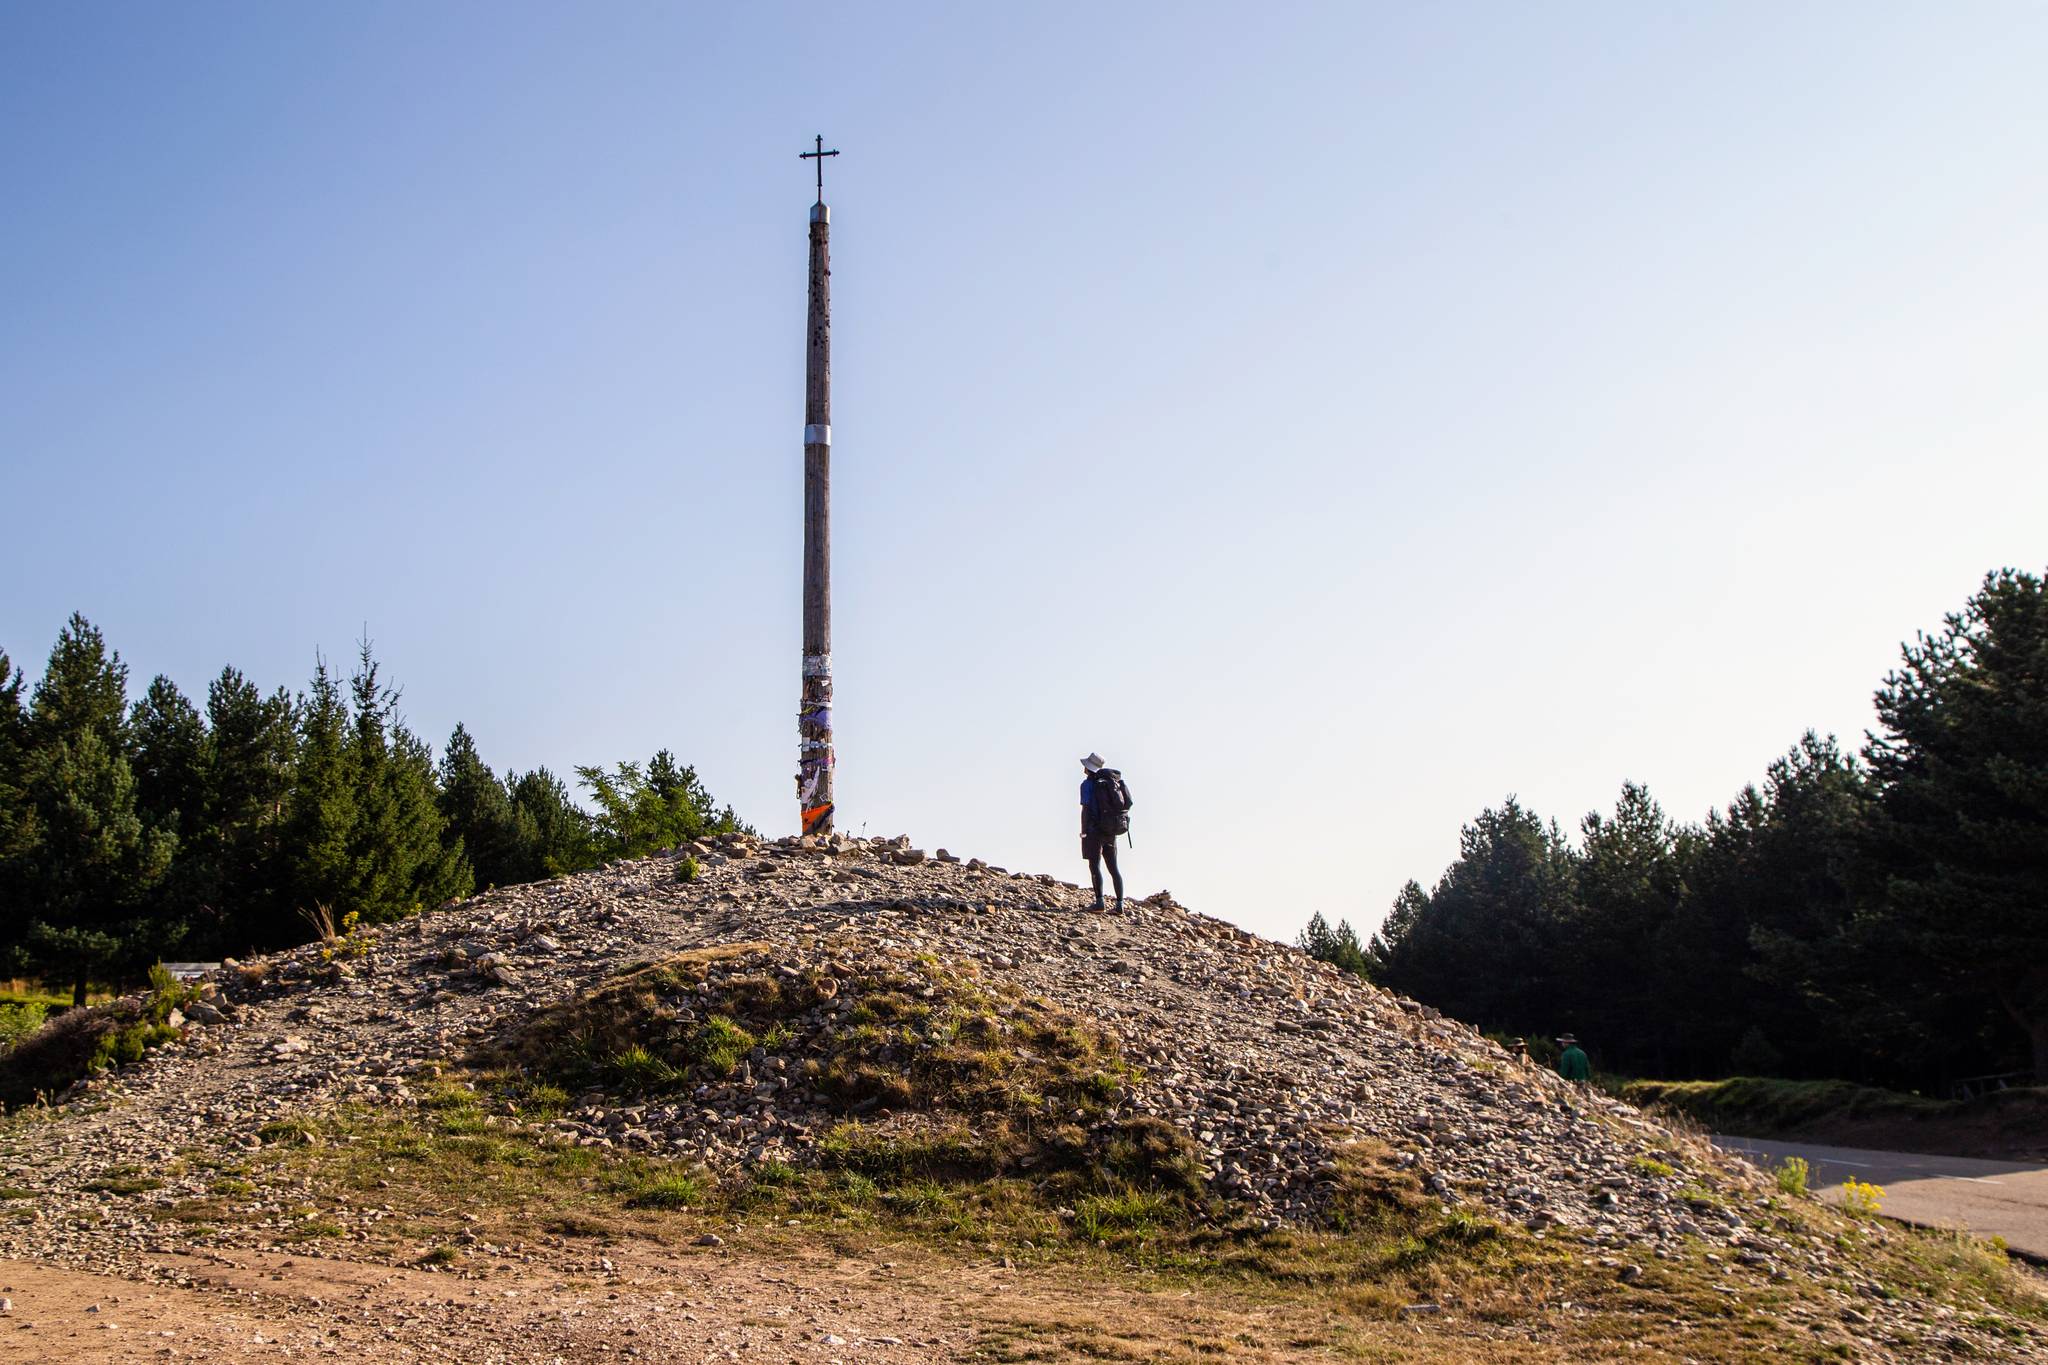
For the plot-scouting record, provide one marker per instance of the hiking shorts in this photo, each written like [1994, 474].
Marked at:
[1098, 845]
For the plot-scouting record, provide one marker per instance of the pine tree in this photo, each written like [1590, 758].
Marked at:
[554, 833]
[368, 828]
[1485, 946]
[426, 868]
[168, 741]
[1804, 991]
[1410, 905]
[250, 771]
[1628, 888]
[93, 859]
[170, 757]
[478, 811]
[84, 687]
[397, 859]
[1339, 946]
[1962, 770]
[321, 809]
[17, 824]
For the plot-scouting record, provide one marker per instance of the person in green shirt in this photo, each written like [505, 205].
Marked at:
[1572, 1063]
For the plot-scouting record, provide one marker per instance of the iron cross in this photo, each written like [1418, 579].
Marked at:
[820, 156]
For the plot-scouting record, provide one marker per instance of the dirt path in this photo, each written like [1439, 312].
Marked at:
[267, 1306]
[656, 1305]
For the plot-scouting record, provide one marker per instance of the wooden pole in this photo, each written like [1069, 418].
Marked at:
[814, 717]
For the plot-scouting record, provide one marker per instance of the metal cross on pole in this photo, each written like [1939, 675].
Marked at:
[819, 156]
[815, 758]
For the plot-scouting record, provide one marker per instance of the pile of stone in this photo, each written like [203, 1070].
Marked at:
[1268, 1061]
[903, 1045]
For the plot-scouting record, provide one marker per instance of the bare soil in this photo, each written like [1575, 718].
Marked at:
[659, 1304]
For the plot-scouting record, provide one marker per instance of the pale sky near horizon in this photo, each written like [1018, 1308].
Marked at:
[1341, 416]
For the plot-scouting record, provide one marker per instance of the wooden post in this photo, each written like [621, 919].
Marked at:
[814, 717]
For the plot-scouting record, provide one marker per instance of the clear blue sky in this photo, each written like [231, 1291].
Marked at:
[1341, 416]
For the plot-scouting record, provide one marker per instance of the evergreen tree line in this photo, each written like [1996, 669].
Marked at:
[1879, 917]
[135, 832]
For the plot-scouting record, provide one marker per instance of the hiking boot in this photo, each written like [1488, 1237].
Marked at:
[1098, 904]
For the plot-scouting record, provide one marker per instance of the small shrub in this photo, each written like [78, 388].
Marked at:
[854, 1188]
[296, 1132]
[1700, 1197]
[720, 1044]
[1649, 1165]
[463, 1123]
[539, 1100]
[19, 1018]
[926, 1197]
[1137, 1213]
[896, 1158]
[635, 1070]
[667, 1192]
[1467, 1228]
[1792, 1174]
[441, 1255]
[1862, 1199]
[687, 869]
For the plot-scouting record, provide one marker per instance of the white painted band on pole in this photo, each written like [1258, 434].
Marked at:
[817, 435]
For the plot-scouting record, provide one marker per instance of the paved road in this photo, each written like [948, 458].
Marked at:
[2008, 1199]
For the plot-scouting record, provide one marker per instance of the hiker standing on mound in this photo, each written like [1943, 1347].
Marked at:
[1105, 813]
[1572, 1063]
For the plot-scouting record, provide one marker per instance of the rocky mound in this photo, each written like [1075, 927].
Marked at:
[852, 1056]
[815, 1003]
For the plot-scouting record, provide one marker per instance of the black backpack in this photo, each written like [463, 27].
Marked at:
[1112, 804]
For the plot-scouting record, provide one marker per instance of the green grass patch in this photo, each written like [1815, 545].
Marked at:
[720, 1045]
[21, 1017]
[673, 1191]
[302, 1131]
[1101, 1217]
[1759, 1106]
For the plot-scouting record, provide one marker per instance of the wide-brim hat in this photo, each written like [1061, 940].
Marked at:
[1566, 1038]
[1093, 762]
